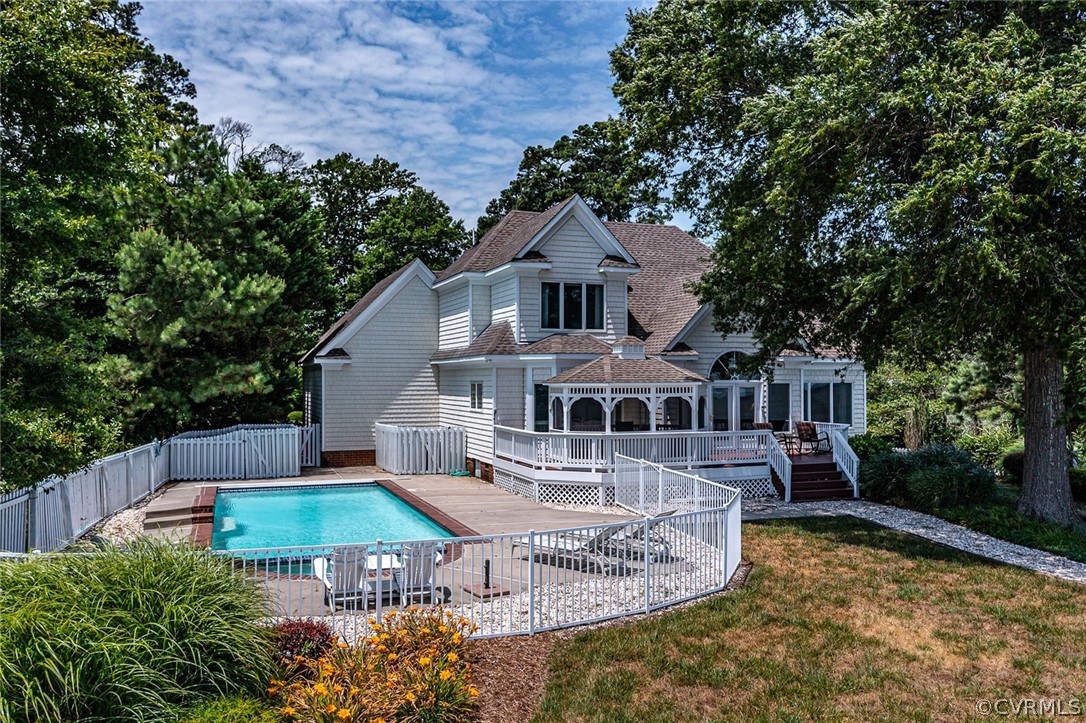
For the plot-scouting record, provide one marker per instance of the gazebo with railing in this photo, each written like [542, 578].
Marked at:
[627, 392]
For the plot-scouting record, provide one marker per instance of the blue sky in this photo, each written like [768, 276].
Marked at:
[451, 91]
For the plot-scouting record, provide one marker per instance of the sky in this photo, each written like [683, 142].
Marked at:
[452, 91]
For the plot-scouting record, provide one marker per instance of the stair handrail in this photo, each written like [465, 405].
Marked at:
[846, 460]
[781, 463]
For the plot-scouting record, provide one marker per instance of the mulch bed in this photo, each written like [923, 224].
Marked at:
[511, 673]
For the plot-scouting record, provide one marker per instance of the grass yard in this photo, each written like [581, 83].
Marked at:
[1000, 518]
[840, 620]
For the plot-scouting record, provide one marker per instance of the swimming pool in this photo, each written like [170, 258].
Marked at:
[318, 515]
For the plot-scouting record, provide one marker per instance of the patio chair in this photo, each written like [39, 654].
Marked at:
[352, 575]
[419, 570]
[581, 551]
[807, 434]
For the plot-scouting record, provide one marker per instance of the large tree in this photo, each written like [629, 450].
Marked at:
[906, 176]
[83, 97]
[220, 287]
[351, 193]
[597, 161]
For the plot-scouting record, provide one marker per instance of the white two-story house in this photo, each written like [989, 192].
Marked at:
[557, 341]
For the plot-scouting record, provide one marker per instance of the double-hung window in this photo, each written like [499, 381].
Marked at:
[476, 395]
[571, 307]
[828, 402]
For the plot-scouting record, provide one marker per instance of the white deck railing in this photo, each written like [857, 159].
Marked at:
[510, 584]
[846, 460]
[781, 463]
[596, 451]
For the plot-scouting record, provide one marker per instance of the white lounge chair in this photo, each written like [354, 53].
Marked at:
[353, 575]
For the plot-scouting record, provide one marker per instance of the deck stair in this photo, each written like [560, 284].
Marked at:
[814, 478]
[171, 512]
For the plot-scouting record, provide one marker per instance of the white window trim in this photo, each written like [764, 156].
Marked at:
[562, 306]
[471, 396]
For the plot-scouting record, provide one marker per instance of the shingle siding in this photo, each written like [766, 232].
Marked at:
[480, 308]
[389, 378]
[453, 312]
[503, 301]
[455, 393]
[509, 400]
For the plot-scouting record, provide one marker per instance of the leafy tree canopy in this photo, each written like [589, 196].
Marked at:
[83, 98]
[904, 176]
[597, 161]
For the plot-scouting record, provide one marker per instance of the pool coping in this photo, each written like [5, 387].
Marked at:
[202, 531]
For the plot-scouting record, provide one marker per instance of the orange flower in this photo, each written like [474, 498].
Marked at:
[445, 675]
[287, 710]
[473, 692]
[343, 646]
[330, 708]
[392, 656]
[320, 689]
[344, 713]
[453, 657]
[337, 688]
[410, 697]
[424, 661]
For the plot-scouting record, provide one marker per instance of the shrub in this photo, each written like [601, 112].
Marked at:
[939, 475]
[988, 445]
[127, 634]
[882, 477]
[235, 709]
[296, 418]
[868, 445]
[411, 668]
[294, 639]
[1014, 465]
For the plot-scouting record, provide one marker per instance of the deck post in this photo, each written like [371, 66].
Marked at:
[648, 566]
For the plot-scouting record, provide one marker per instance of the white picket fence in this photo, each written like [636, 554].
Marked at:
[420, 450]
[58, 510]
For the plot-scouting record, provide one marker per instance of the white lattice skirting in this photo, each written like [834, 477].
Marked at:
[761, 487]
[555, 493]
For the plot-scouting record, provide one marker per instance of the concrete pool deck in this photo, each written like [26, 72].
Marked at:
[486, 509]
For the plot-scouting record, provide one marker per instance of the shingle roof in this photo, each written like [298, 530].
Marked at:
[567, 344]
[670, 259]
[495, 339]
[353, 313]
[501, 243]
[612, 369]
[617, 262]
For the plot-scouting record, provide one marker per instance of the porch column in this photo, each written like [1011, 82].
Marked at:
[654, 402]
[693, 400]
[607, 417]
[565, 411]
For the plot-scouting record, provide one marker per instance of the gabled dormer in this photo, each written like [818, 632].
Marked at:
[560, 271]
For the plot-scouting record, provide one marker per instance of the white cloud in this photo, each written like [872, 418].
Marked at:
[452, 92]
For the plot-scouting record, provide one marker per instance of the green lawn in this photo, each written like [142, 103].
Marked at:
[840, 620]
[999, 518]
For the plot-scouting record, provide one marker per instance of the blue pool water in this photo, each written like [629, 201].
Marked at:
[301, 516]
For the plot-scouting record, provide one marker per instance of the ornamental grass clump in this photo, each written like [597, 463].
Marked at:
[411, 668]
[126, 634]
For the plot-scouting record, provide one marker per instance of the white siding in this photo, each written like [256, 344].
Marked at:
[710, 344]
[453, 311]
[480, 308]
[389, 378]
[509, 400]
[575, 256]
[455, 384]
[311, 394]
[503, 301]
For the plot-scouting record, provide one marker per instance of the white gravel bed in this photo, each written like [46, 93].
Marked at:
[595, 509]
[126, 525]
[956, 536]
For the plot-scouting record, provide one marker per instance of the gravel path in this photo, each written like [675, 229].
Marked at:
[934, 529]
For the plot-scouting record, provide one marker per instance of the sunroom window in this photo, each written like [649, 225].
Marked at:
[828, 402]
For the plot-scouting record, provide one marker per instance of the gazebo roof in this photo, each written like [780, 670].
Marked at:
[611, 369]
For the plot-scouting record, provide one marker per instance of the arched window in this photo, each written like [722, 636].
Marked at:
[586, 415]
[727, 367]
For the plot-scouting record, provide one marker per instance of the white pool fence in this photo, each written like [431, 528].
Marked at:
[56, 511]
[420, 450]
[520, 583]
